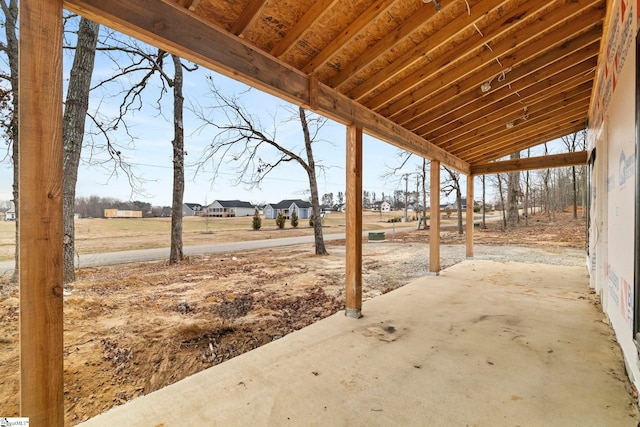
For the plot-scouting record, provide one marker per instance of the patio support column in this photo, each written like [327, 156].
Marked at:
[354, 222]
[40, 213]
[470, 205]
[434, 226]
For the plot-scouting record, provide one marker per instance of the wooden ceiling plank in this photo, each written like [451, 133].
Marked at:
[473, 118]
[367, 17]
[509, 52]
[499, 119]
[421, 51]
[539, 68]
[532, 141]
[499, 130]
[531, 163]
[531, 126]
[404, 30]
[584, 71]
[522, 140]
[292, 36]
[167, 26]
[249, 15]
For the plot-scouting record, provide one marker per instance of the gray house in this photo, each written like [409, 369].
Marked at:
[285, 207]
[223, 208]
[191, 209]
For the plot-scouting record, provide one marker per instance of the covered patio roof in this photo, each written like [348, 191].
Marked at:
[461, 82]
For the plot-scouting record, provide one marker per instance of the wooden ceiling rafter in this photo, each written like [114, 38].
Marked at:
[359, 24]
[449, 66]
[295, 33]
[527, 74]
[479, 66]
[502, 120]
[526, 138]
[399, 34]
[420, 51]
[534, 120]
[249, 15]
[472, 118]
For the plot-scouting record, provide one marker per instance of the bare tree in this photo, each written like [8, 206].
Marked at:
[176, 254]
[450, 185]
[75, 114]
[513, 195]
[242, 138]
[574, 142]
[10, 49]
[502, 203]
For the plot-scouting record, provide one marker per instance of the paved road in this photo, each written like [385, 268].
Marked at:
[122, 257]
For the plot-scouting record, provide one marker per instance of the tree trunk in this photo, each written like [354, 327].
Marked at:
[11, 26]
[575, 193]
[424, 193]
[75, 113]
[313, 186]
[176, 254]
[513, 191]
[484, 203]
[504, 210]
[459, 206]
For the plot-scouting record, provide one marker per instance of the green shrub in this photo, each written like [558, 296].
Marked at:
[257, 221]
[280, 220]
[294, 219]
[477, 209]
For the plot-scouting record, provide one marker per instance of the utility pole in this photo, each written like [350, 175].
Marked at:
[406, 192]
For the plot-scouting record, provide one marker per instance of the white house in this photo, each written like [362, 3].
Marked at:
[223, 208]
[10, 214]
[613, 141]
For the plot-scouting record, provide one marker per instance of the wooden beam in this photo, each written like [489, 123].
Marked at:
[248, 16]
[354, 223]
[314, 13]
[421, 51]
[398, 35]
[524, 132]
[434, 218]
[531, 163]
[499, 116]
[525, 74]
[40, 213]
[367, 17]
[496, 133]
[519, 142]
[446, 70]
[169, 27]
[469, 225]
[577, 74]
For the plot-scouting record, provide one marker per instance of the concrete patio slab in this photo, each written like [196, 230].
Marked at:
[483, 344]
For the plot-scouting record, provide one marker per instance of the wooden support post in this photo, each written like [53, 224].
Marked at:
[434, 228]
[40, 213]
[354, 222]
[470, 205]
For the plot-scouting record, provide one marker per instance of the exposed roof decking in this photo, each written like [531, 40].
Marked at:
[468, 84]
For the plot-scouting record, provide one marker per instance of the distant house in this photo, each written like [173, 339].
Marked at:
[224, 208]
[191, 209]
[464, 204]
[302, 208]
[382, 207]
[10, 214]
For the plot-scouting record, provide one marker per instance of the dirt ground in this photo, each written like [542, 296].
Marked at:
[130, 330]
